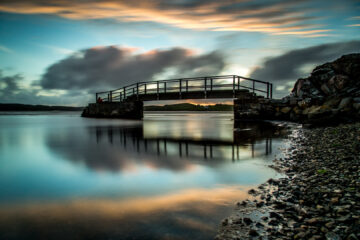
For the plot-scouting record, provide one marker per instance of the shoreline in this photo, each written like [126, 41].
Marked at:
[319, 197]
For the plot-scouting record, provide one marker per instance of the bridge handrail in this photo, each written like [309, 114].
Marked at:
[133, 89]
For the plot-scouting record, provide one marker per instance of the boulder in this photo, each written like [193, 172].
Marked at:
[285, 110]
[332, 102]
[356, 106]
[297, 110]
[339, 81]
[345, 102]
[325, 89]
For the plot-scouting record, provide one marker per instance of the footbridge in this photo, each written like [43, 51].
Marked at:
[127, 101]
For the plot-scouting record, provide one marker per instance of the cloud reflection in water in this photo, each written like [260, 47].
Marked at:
[176, 216]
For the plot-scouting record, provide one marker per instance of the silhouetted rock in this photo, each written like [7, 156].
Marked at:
[330, 94]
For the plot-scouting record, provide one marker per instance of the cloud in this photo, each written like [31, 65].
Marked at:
[286, 68]
[74, 79]
[10, 88]
[5, 49]
[274, 16]
[113, 67]
[14, 90]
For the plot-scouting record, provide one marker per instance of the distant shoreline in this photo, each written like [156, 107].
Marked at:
[190, 107]
[15, 107]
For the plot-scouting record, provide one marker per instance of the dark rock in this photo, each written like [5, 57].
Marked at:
[275, 215]
[332, 236]
[252, 191]
[247, 221]
[253, 233]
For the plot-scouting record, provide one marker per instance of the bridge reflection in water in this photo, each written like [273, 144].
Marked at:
[249, 141]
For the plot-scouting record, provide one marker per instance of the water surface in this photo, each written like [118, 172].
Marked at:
[170, 176]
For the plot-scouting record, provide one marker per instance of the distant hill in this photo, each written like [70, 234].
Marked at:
[190, 107]
[26, 107]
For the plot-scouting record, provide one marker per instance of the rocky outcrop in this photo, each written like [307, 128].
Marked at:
[331, 93]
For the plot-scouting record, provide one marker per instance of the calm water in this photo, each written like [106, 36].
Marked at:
[170, 176]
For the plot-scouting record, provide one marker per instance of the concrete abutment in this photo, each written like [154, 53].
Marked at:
[122, 110]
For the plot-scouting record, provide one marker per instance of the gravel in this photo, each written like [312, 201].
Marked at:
[319, 197]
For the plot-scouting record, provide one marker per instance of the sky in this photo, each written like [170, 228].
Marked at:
[61, 52]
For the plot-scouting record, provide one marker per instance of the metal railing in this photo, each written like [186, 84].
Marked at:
[186, 85]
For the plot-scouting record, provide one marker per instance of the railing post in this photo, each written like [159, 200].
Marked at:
[238, 82]
[124, 93]
[96, 97]
[164, 87]
[110, 97]
[233, 85]
[205, 80]
[271, 90]
[145, 88]
[120, 96]
[157, 89]
[137, 91]
[187, 85]
[180, 88]
[211, 84]
[253, 88]
[267, 90]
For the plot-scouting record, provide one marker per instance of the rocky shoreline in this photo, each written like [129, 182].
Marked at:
[318, 197]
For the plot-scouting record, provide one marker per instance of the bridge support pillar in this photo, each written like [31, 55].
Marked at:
[123, 110]
[247, 107]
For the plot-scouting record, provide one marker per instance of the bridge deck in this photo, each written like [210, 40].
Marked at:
[228, 86]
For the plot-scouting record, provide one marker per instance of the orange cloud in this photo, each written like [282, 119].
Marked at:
[277, 18]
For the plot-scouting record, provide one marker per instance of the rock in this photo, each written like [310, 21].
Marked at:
[326, 85]
[315, 237]
[324, 229]
[273, 222]
[275, 215]
[313, 221]
[292, 101]
[273, 181]
[352, 237]
[332, 236]
[252, 191]
[259, 225]
[344, 102]
[114, 113]
[325, 89]
[285, 110]
[332, 102]
[247, 220]
[329, 224]
[317, 112]
[356, 106]
[297, 110]
[356, 100]
[300, 235]
[226, 222]
[339, 81]
[253, 233]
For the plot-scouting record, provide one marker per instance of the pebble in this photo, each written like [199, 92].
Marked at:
[320, 196]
